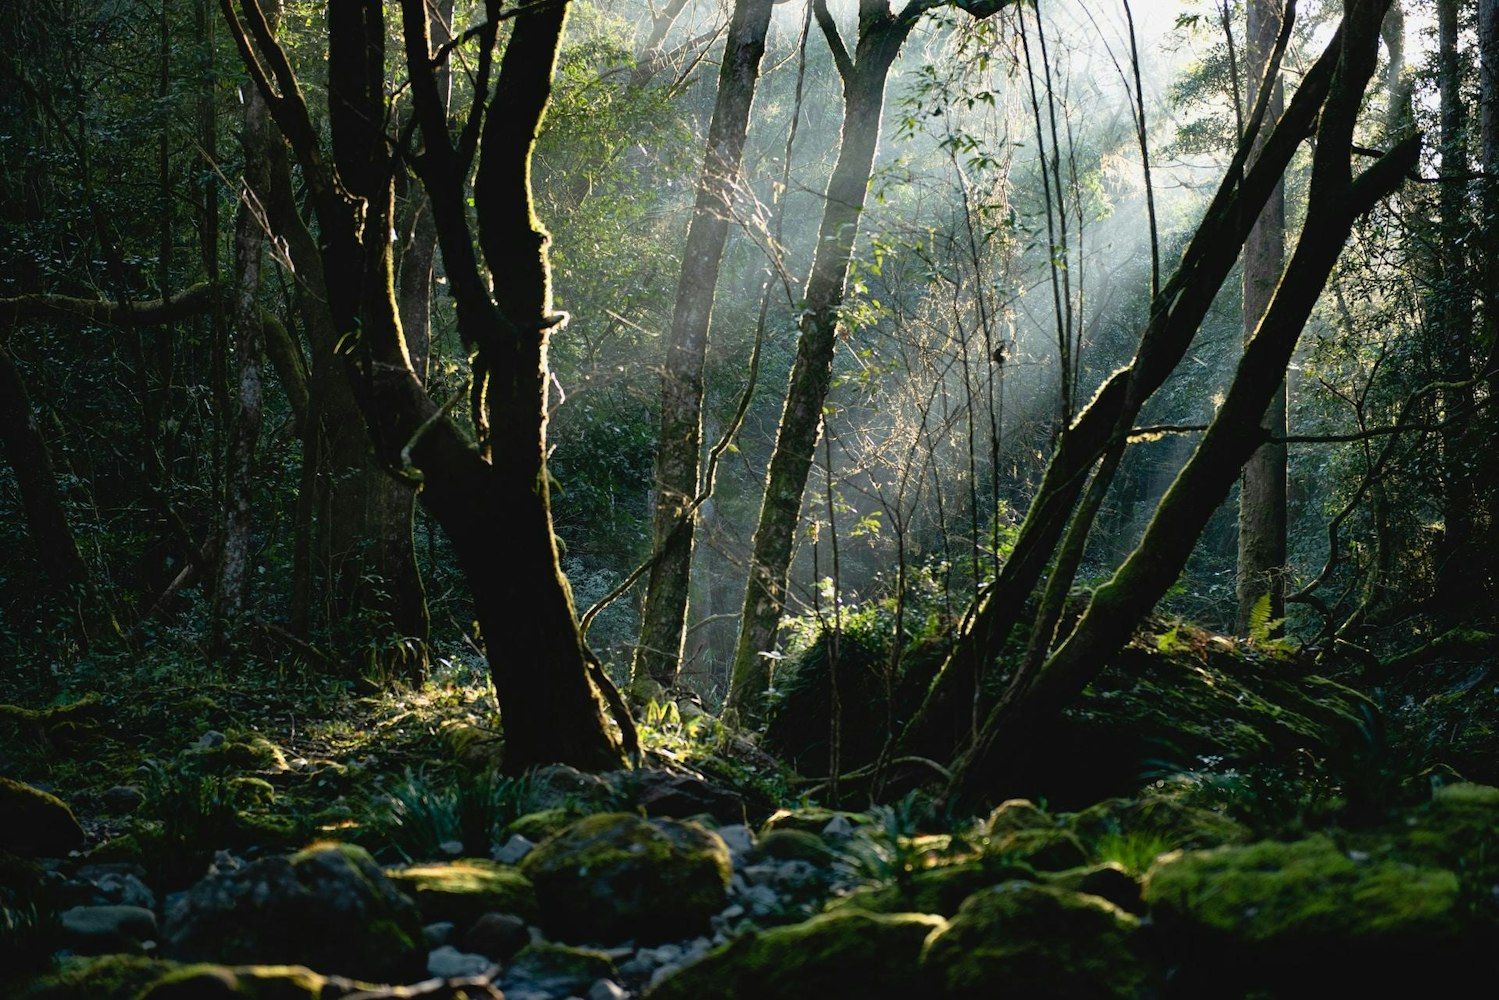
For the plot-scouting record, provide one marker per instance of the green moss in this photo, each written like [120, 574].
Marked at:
[1308, 891]
[809, 820]
[462, 891]
[1163, 819]
[255, 982]
[538, 826]
[613, 876]
[34, 822]
[1039, 941]
[109, 977]
[251, 753]
[848, 953]
[1017, 814]
[1042, 849]
[795, 845]
[939, 890]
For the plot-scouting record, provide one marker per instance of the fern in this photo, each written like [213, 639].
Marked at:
[1264, 631]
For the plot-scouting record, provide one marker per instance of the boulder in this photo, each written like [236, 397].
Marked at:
[615, 876]
[329, 907]
[555, 970]
[80, 977]
[1305, 913]
[1013, 815]
[940, 890]
[1044, 849]
[1039, 941]
[681, 796]
[35, 823]
[268, 982]
[100, 930]
[844, 954]
[462, 891]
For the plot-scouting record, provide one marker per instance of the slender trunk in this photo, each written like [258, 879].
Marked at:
[1262, 499]
[880, 40]
[232, 584]
[678, 457]
[1488, 53]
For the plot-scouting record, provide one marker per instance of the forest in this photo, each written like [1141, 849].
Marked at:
[748, 498]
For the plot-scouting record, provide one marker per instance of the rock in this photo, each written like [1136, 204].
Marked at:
[438, 934]
[557, 785]
[1107, 881]
[85, 978]
[497, 936]
[119, 884]
[845, 954]
[814, 819]
[940, 890]
[272, 982]
[797, 845]
[1305, 914]
[739, 838]
[513, 850]
[680, 796]
[556, 970]
[538, 826]
[448, 962]
[100, 930]
[607, 989]
[1013, 815]
[1039, 941]
[1159, 819]
[614, 876]
[35, 823]
[462, 891]
[1048, 849]
[328, 907]
[121, 800]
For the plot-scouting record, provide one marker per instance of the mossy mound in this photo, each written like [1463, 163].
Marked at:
[464, 890]
[556, 969]
[1281, 912]
[614, 876]
[811, 819]
[848, 953]
[1050, 850]
[1162, 818]
[329, 907]
[1110, 881]
[795, 845]
[256, 982]
[1038, 941]
[110, 977]
[1014, 815]
[940, 890]
[36, 823]
[538, 826]
[249, 752]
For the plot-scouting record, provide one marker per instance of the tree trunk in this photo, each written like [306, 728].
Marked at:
[993, 762]
[1262, 498]
[663, 622]
[231, 586]
[1488, 53]
[880, 39]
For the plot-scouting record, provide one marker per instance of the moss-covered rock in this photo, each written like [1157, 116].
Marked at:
[464, 890]
[811, 819]
[556, 970]
[1282, 912]
[1044, 849]
[1163, 819]
[259, 982]
[848, 953]
[614, 876]
[329, 907]
[940, 890]
[538, 826]
[251, 752]
[1457, 829]
[1038, 941]
[109, 977]
[795, 845]
[36, 823]
[1013, 815]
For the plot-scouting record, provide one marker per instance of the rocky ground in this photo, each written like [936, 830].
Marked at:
[291, 862]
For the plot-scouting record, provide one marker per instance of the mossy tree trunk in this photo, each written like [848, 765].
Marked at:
[490, 493]
[663, 623]
[1336, 199]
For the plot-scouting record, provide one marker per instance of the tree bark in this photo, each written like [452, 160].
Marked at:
[1262, 498]
[1488, 97]
[658, 654]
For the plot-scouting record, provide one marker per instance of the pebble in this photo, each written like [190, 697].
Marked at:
[448, 962]
[607, 989]
[515, 848]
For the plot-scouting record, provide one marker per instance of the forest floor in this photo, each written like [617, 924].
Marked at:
[1210, 819]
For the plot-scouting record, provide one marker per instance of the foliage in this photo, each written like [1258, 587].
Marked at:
[431, 814]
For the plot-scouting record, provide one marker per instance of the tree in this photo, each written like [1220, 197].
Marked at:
[881, 33]
[490, 492]
[664, 615]
[1261, 569]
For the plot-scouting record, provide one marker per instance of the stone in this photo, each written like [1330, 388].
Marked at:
[798, 845]
[939, 890]
[681, 796]
[1307, 914]
[1017, 814]
[1048, 849]
[1107, 881]
[614, 876]
[101, 930]
[607, 989]
[121, 800]
[464, 890]
[555, 969]
[118, 884]
[438, 934]
[739, 838]
[513, 850]
[815, 819]
[846, 954]
[1039, 941]
[81, 977]
[448, 962]
[497, 936]
[34, 823]
[329, 907]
